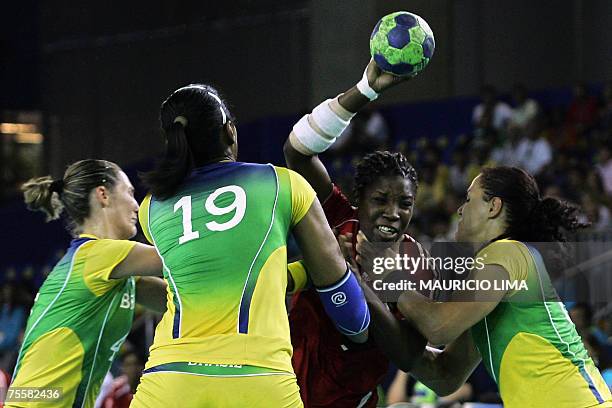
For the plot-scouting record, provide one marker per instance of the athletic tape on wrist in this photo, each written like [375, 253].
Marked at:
[308, 137]
[364, 87]
[345, 304]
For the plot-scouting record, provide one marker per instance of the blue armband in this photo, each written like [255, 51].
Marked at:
[345, 304]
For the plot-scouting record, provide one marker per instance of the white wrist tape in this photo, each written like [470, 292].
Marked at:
[309, 138]
[364, 87]
[327, 120]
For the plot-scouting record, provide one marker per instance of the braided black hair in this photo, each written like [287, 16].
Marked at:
[380, 164]
[191, 118]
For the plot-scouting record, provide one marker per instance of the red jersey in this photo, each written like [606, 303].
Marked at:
[331, 370]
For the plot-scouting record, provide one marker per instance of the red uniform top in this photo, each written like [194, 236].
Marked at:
[331, 370]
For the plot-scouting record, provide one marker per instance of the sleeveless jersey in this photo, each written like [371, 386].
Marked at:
[78, 323]
[528, 343]
[222, 238]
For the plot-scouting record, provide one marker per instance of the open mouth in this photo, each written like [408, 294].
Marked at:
[387, 232]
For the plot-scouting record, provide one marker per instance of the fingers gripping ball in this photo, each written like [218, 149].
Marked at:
[402, 43]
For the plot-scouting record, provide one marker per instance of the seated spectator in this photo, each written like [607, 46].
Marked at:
[458, 172]
[5, 381]
[124, 386]
[533, 152]
[12, 317]
[490, 114]
[582, 316]
[604, 167]
[525, 110]
[368, 131]
[505, 154]
[581, 115]
[605, 110]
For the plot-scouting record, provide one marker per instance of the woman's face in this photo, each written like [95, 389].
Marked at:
[123, 208]
[385, 208]
[472, 214]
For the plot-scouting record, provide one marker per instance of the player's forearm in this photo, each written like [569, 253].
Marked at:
[436, 321]
[311, 168]
[352, 100]
[400, 342]
[431, 370]
[444, 371]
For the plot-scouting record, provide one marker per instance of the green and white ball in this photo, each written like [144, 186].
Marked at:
[402, 43]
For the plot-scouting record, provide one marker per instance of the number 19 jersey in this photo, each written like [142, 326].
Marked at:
[222, 238]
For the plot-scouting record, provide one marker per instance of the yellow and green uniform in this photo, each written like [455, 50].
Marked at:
[78, 323]
[528, 343]
[222, 238]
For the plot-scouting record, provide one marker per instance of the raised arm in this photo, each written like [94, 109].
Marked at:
[317, 131]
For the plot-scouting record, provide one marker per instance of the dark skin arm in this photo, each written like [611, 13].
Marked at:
[352, 100]
[321, 252]
[399, 341]
[444, 371]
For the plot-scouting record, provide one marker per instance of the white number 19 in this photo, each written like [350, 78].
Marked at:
[238, 205]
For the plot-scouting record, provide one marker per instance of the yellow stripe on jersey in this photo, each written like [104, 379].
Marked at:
[102, 256]
[298, 273]
[302, 195]
[511, 255]
[268, 343]
[561, 379]
[270, 290]
[61, 369]
[143, 217]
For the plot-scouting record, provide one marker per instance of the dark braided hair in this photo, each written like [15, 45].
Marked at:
[191, 140]
[381, 164]
[530, 218]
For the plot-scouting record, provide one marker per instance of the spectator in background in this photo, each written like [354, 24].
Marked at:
[581, 115]
[604, 167]
[458, 172]
[533, 152]
[582, 316]
[368, 131]
[12, 318]
[490, 114]
[596, 213]
[124, 386]
[5, 380]
[605, 112]
[525, 110]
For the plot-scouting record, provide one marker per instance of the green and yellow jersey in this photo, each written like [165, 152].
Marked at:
[528, 343]
[222, 238]
[79, 320]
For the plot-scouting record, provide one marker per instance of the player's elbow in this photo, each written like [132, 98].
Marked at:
[289, 152]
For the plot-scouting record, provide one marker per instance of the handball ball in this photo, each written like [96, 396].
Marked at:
[402, 43]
